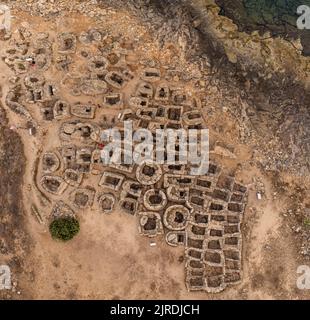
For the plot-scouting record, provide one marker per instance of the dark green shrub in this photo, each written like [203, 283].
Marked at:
[64, 228]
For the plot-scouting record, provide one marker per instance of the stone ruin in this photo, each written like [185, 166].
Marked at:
[50, 162]
[106, 202]
[53, 184]
[150, 224]
[201, 213]
[82, 198]
[148, 173]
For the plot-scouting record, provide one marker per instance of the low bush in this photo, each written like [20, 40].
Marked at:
[64, 228]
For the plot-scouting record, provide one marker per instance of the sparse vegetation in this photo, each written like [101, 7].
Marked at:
[64, 228]
[307, 222]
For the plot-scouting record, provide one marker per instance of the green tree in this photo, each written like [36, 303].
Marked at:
[64, 228]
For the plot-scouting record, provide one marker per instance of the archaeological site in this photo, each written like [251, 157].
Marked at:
[73, 70]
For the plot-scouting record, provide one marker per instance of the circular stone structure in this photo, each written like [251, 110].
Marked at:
[73, 177]
[97, 64]
[148, 173]
[155, 200]
[176, 217]
[150, 224]
[106, 202]
[68, 128]
[34, 80]
[50, 162]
